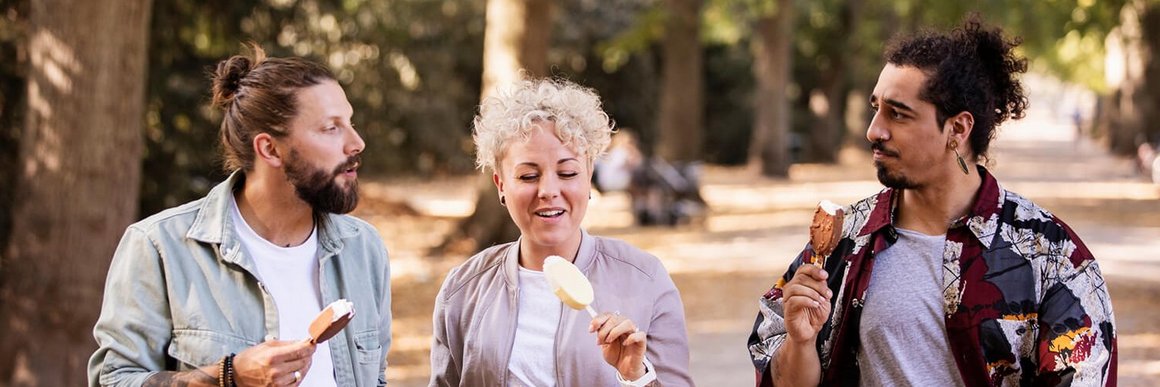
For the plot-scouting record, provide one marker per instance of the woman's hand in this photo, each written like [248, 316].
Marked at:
[622, 344]
[273, 363]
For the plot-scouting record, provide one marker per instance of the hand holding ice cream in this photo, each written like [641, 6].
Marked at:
[621, 343]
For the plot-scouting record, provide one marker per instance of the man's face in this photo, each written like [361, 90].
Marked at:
[910, 148]
[323, 157]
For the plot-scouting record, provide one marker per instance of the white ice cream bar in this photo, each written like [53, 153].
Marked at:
[829, 207]
[341, 308]
[331, 320]
[569, 284]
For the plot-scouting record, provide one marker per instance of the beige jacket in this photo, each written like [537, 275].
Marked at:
[475, 317]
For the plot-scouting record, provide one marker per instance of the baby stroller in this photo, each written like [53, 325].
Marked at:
[666, 194]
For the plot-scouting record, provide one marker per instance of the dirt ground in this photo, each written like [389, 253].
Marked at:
[723, 263]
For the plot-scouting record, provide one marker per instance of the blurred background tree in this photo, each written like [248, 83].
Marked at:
[732, 82]
[74, 183]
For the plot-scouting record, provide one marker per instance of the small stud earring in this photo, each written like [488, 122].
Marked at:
[954, 145]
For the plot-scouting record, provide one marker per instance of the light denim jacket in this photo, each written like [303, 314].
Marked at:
[182, 293]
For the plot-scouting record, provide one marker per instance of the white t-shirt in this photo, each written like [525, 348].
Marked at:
[290, 275]
[533, 359]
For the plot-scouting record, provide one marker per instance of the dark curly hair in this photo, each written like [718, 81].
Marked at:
[970, 69]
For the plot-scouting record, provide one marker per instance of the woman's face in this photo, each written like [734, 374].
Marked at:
[546, 186]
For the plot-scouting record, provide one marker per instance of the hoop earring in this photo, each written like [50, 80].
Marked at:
[954, 145]
[502, 202]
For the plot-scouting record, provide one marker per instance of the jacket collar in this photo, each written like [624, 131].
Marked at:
[585, 255]
[988, 203]
[214, 225]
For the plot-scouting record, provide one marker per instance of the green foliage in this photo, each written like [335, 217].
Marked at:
[411, 69]
[1064, 37]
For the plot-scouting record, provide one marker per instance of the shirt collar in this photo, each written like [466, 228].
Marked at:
[988, 203]
[585, 255]
[213, 223]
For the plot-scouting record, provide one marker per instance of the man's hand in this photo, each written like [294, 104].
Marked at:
[273, 363]
[807, 307]
[807, 304]
[622, 344]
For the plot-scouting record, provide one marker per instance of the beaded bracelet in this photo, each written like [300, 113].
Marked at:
[226, 372]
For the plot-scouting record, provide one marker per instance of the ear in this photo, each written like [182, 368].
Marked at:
[960, 127]
[498, 182]
[266, 150]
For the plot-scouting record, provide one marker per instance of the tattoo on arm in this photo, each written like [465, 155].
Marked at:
[198, 377]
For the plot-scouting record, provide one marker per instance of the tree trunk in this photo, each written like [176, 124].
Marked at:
[516, 38]
[826, 137]
[681, 111]
[1148, 97]
[772, 55]
[13, 86]
[1134, 103]
[77, 189]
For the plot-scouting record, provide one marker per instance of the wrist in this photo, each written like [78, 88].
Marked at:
[648, 375]
[798, 342]
[634, 373]
[226, 372]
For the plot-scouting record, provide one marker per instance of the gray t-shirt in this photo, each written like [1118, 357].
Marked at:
[904, 336]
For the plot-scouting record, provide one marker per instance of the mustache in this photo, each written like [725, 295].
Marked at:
[351, 162]
[878, 146]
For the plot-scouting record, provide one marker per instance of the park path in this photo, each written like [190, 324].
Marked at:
[756, 225]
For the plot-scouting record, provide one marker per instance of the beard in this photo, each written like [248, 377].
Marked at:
[888, 178]
[319, 188]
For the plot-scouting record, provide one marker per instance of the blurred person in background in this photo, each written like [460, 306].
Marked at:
[496, 321]
[944, 278]
[221, 291]
[614, 171]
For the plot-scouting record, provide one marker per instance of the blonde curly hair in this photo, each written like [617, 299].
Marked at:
[514, 111]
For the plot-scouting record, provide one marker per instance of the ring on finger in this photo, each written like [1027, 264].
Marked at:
[297, 376]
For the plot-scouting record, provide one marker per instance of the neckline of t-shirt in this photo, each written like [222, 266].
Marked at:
[243, 227]
[918, 234]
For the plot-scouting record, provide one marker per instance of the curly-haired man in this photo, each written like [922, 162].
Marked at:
[943, 278]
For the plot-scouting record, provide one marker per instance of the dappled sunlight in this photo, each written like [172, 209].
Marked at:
[55, 60]
[54, 65]
[785, 196]
[457, 208]
[1140, 366]
[1088, 190]
[1140, 341]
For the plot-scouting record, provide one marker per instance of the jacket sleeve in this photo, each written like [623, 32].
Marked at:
[668, 341]
[1077, 334]
[384, 312]
[769, 331]
[134, 329]
[444, 369]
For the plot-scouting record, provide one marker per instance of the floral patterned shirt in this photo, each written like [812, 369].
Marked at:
[1024, 300]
